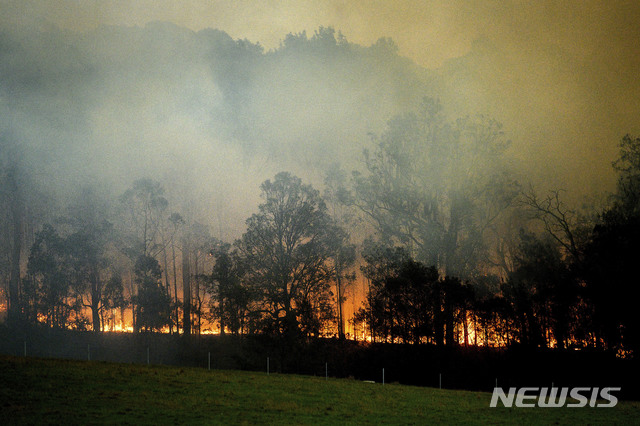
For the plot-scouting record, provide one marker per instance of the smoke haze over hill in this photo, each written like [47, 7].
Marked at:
[100, 93]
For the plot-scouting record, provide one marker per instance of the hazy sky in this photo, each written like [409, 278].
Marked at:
[567, 70]
[429, 32]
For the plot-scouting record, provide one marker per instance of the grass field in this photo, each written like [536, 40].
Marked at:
[44, 391]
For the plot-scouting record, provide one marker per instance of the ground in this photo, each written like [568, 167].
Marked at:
[36, 391]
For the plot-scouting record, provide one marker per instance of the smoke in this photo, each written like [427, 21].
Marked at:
[207, 116]
[94, 94]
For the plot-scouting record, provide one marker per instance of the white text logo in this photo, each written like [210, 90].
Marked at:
[555, 397]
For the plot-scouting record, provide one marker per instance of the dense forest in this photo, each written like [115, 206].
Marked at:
[116, 218]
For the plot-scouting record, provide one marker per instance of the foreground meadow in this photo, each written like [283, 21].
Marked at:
[46, 391]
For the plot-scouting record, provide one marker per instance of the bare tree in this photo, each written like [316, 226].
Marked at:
[564, 225]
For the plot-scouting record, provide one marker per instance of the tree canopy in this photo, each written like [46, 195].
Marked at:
[287, 250]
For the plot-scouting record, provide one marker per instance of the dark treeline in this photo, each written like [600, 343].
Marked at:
[485, 261]
[458, 253]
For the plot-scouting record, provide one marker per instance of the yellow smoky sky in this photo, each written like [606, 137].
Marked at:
[429, 32]
[568, 74]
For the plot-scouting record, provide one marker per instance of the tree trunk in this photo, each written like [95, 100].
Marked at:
[197, 294]
[175, 284]
[17, 215]
[466, 328]
[166, 280]
[186, 290]
[95, 301]
[340, 310]
[221, 308]
[134, 322]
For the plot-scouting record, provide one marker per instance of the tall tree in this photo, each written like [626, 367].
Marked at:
[339, 201]
[542, 291]
[231, 298]
[435, 187]
[113, 300]
[16, 201]
[87, 247]
[200, 244]
[176, 222]
[48, 269]
[287, 250]
[142, 215]
[186, 287]
[610, 265]
[153, 302]
[13, 185]
[142, 207]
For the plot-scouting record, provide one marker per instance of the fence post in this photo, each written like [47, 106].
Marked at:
[209, 360]
[382, 376]
[267, 366]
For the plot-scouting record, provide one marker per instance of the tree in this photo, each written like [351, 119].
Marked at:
[399, 303]
[153, 303]
[85, 263]
[627, 196]
[436, 187]
[113, 299]
[562, 224]
[176, 222]
[543, 292]
[339, 202]
[492, 313]
[287, 251]
[186, 287]
[87, 247]
[142, 215]
[231, 298]
[410, 301]
[62, 271]
[143, 206]
[50, 289]
[197, 246]
[381, 262]
[610, 265]
[14, 183]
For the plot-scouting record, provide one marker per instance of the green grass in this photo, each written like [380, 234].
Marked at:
[36, 391]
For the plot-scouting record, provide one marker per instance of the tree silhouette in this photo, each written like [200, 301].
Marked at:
[87, 247]
[435, 187]
[231, 298]
[142, 214]
[543, 292]
[410, 302]
[153, 303]
[610, 266]
[287, 250]
[50, 288]
[340, 206]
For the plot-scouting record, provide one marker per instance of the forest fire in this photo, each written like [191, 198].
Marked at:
[442, 194]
